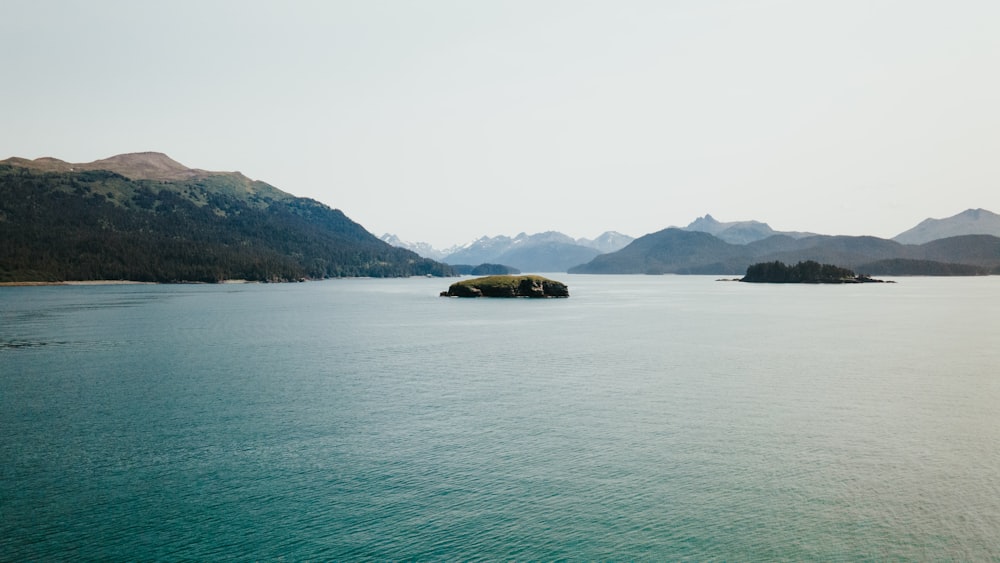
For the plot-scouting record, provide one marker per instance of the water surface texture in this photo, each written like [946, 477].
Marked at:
[645, 417]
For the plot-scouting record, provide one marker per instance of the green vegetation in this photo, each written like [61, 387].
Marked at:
[96, 224]
[508, 286]
[803, 272]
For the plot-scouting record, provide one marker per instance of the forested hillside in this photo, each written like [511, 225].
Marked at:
[59, 225]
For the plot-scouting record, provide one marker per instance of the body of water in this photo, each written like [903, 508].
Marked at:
[645, 417]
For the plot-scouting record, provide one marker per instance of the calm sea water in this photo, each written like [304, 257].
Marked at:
[663, 417]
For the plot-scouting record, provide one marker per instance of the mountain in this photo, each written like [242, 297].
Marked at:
[542, 252]
[482, 250]
[671, 250]
[844, 251]
[547, 257]
[738, 232]
[422, 248]
[146, 217]
[694, 252]
[968, 222]
[608, 241]
[979, 250]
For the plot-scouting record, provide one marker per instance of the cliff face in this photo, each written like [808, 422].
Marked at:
[508, 286]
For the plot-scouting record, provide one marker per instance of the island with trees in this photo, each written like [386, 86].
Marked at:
[507, 286]
[808, 271]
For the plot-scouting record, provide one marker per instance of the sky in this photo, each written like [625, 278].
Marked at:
[443, 121]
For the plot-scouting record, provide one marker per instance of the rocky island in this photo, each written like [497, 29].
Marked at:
[507, 286]
[803, 272]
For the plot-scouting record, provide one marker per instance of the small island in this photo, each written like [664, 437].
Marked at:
[507, 286]
[803, 272]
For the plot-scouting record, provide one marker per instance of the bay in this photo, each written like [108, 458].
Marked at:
[645, 417]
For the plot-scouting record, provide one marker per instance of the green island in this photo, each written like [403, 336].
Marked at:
[808, 271]
[507, 286]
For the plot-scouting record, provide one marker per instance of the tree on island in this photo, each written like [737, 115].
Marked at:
[804, 272]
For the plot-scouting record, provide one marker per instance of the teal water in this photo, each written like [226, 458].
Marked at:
[645, 417]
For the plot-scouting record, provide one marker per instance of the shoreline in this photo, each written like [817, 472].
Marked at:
[87, 282]
[101, 282]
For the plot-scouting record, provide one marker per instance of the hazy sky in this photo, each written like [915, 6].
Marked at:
[442, 121]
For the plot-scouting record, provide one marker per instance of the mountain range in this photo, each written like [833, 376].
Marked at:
[553, 251]
[738, 232]
[542, 252]
[709, 246]
[550, 251]
[681, 251]
[424, 249]
[146, 217]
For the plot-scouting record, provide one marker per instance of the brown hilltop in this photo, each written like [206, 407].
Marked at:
[134, 166]
[146, 166]
[156, 166]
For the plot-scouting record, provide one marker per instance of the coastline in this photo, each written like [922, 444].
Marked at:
[88, 282]
[107, 282]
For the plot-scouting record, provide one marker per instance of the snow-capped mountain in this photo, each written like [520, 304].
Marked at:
[608, 241]
[422, 248]
[550, 251]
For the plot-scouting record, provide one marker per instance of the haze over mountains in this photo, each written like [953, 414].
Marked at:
[146, 217]
[673, 251]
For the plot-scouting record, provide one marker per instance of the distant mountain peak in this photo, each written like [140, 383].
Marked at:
[707, 224]
[977, 213]
[977, 221]
[608, 241]
[736, 232]
[421, 248]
